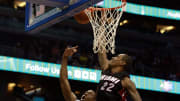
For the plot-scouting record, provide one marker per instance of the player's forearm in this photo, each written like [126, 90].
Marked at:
[136, 97]
[64, 83]
[131, 87]
[103, 61]
[64, 71]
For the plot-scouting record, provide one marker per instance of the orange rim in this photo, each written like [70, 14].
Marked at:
[103, 9]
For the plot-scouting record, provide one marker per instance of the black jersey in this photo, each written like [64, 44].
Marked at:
[110, 87]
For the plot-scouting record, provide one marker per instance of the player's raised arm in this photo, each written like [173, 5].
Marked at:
[103, 61]
[130, 86]
[64, 83]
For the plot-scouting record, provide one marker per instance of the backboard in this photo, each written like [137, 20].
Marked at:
[41, 14]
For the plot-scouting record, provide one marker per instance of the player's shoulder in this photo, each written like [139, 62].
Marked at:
[123, 75]
[106, 71]
[120, 74]
[127, 82]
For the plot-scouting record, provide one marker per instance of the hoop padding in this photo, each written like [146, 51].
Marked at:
[104, 22]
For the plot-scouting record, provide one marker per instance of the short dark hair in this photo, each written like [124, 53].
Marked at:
[129, 61]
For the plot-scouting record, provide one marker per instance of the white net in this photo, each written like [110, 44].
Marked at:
[104, 22]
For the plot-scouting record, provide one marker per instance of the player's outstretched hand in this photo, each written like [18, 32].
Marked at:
[70, 51]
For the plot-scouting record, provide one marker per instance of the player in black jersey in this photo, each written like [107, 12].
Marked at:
[65, 86]
[115, 82]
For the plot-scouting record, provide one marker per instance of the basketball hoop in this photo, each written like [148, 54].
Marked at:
[104, 22]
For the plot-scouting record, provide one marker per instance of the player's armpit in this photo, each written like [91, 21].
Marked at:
[130, 86]
[103, 61]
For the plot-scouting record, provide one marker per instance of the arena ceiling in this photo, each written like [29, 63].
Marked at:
[171, 4]
[134, 21]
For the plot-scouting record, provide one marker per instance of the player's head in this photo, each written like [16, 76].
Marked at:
[89, 95]
[121, 60]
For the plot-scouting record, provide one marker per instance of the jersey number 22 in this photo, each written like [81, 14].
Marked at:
[107, 86]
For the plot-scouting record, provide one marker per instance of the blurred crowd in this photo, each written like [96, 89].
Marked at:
[149, 62]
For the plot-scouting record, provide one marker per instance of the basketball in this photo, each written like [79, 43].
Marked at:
[82, 18]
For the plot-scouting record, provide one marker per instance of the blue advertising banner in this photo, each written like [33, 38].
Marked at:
[144, 10]
[82, 74]
[48, 69]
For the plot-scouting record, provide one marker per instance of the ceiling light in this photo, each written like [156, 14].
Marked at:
[11, 86]
[169, 28]
[121, 24]
[162, 31]
[19, 4]
[125, 21]
[22, 4]
[164, 28]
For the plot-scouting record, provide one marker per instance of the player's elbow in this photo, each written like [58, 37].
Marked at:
[62, 78]
[139, 99]
[63, 83]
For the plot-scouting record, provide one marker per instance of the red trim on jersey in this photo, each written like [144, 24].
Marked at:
[123, 94]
